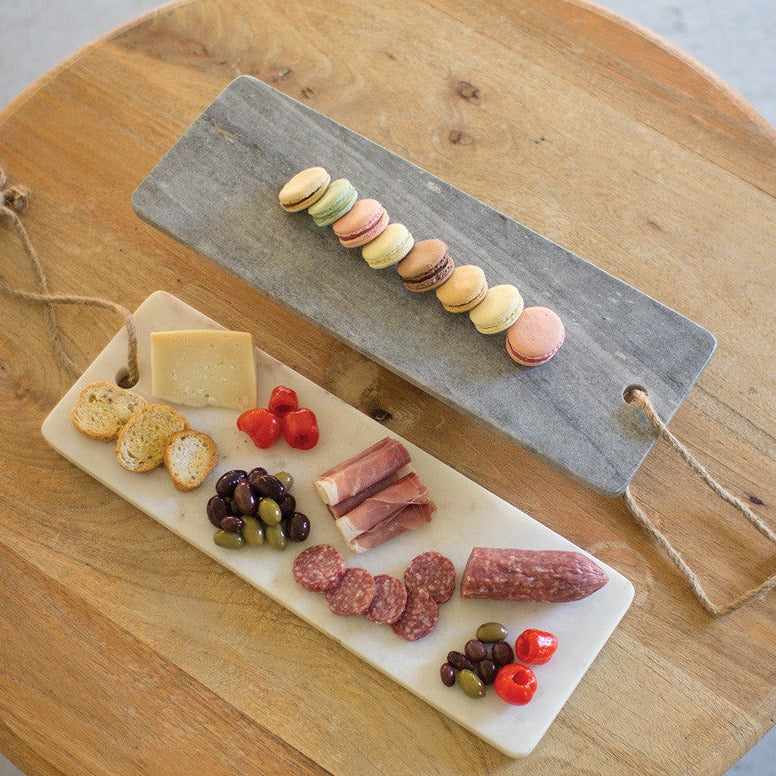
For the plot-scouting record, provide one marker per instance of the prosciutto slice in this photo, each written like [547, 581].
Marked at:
[409, 518]
[337, 510]
[368, 467]
[387, 502]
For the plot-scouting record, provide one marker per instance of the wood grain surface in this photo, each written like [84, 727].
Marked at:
[124, 650]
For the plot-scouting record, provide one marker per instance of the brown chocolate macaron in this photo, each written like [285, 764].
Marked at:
[426, 266]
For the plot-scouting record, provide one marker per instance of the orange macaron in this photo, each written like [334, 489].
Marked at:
[536, 336]
[464, 289]
[304, 189]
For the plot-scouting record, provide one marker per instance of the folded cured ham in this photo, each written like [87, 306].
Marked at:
[383, 505]
[375, 496]
[363, 470]
[344, 506]
[409, 518]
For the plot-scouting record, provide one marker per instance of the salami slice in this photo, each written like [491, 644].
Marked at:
[433, 571]
[319, 568]
[353, 593]
[420, 615]
[389, 601]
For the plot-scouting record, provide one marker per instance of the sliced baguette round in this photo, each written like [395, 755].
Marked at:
[102, 409]
[140, 444]
[189, 457]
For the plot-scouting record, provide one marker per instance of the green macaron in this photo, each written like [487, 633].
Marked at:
[338, 200]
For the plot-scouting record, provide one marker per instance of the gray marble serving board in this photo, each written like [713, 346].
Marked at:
[216, 192]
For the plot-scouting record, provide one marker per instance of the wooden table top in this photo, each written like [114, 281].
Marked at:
[124, 650]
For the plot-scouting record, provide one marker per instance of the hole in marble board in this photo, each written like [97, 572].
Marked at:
[122, 379]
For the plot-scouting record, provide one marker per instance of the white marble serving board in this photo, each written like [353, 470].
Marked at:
[582, 627]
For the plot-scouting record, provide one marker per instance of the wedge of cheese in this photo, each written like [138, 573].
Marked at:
[204, 368]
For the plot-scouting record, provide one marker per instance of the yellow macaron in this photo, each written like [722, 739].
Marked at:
[499, 309]
[388, 248]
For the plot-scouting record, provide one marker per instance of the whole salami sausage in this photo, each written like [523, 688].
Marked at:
[433, 571]
[353, 593]
[420, 615]
[319, 568]
[389, 601]
[552, 576]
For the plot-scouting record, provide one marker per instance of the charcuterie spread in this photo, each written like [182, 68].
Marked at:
[399, 605]
[534, 335]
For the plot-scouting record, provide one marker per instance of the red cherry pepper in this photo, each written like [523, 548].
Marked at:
[282, 400]
[515, 684]
[300, 429]
[262, 426]
[535, 647]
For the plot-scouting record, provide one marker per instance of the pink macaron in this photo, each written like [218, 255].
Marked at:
[536, 336]
[361, 224]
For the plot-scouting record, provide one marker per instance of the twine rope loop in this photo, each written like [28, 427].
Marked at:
[640, 397]
[14, 199]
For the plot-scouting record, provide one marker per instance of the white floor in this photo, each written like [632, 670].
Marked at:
[734, 39]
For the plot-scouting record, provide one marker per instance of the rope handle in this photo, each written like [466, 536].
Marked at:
[636, 394]
[14, 200]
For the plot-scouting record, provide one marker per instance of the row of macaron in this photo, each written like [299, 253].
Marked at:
[534, 334]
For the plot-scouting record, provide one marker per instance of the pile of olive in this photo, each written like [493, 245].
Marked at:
[254, 507]
[476, 667]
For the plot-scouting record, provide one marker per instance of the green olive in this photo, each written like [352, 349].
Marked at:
[253, 531]
[228, 539]
[286, 478]
[491, 631]
[470, 683]
[269, 511]
[276, 536]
